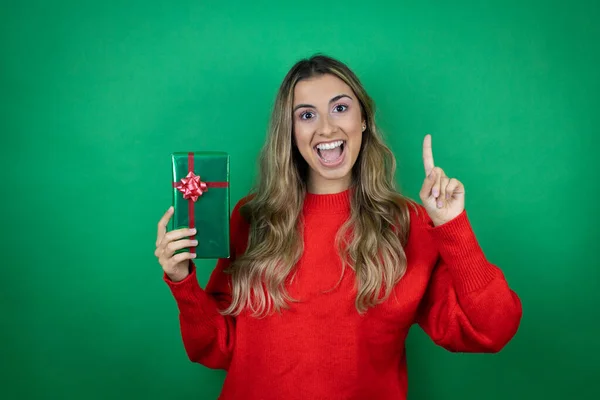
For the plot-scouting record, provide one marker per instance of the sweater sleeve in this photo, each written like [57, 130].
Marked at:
[208, 336]
[468, 306]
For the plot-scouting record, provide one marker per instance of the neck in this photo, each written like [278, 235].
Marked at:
[320, 185]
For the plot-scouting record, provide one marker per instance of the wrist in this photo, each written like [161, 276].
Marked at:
[181, 273]
[178, 276]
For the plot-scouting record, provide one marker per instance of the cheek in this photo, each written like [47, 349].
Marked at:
[352, 122]
[355, 133]
[353, 129]
[301, 136]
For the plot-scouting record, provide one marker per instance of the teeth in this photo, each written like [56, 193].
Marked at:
[329, 146]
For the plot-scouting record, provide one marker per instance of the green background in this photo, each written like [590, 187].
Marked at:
[95, 95]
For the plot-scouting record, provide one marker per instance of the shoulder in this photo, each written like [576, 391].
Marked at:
[420, 226]
[239, 214]
[413, 212]
[421, 246]
[239, 226]
[418, 215]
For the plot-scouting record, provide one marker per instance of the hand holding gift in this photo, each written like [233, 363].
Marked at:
[176, 266]
[199, 215]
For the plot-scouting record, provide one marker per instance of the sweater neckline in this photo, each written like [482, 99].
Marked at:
[334, 203]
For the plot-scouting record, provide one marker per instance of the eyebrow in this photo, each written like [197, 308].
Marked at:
[333, 100]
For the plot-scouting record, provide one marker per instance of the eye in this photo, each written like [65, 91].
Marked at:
[307, 115]
[340, 108]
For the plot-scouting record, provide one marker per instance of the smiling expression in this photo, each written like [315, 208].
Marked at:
[328, 127]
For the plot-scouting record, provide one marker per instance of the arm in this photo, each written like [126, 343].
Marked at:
[468, 306]
[208, 336]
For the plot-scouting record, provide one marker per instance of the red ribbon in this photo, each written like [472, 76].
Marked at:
[193, 188]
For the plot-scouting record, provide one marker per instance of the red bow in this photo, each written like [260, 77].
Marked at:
[191, 186]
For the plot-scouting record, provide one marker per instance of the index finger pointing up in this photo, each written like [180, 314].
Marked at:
[427, 155]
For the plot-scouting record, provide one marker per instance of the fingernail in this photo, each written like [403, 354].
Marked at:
[435, 192]
[193, 255]
[193, 230]
[440, 204]
[194, 242]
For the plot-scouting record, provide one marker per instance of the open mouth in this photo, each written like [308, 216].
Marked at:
[332, 153]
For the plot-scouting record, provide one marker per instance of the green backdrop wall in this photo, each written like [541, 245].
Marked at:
[96, 94]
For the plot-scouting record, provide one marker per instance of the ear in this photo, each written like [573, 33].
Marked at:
[364, 125]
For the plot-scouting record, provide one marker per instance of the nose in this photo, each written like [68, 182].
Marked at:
[326, 126]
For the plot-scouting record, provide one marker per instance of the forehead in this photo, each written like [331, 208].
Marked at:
[320, 89]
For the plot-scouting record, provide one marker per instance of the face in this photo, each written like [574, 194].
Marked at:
[328, 129]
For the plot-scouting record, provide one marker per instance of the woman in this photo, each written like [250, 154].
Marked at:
[330, 266]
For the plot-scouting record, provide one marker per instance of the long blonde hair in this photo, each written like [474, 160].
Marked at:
[370, 242]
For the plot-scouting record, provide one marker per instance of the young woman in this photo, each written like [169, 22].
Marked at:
[330, 266]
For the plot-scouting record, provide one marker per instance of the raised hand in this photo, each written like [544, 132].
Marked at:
[442, 197]
[176, 266]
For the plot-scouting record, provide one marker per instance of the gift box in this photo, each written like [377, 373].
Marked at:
[201, 200]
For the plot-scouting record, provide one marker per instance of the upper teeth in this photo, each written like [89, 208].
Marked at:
[329, 146]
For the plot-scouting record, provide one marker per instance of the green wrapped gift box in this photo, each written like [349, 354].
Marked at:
[201, 200]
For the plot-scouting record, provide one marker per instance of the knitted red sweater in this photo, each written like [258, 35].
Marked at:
[322, 348]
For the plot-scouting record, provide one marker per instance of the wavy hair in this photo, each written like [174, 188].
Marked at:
[370, 242]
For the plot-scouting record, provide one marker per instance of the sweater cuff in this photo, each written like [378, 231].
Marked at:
[192, 301]
[461, 252]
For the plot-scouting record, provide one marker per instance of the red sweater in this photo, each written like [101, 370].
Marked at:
[322, 348]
